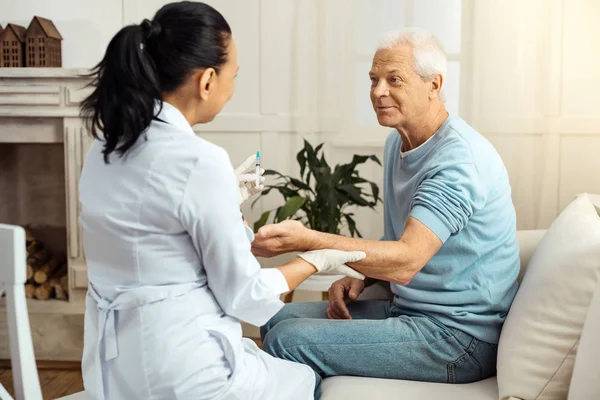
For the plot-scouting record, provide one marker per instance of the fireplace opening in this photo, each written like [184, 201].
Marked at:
[32, 195]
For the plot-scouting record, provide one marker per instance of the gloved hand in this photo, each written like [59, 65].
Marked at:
[246, 177]
[333, 262]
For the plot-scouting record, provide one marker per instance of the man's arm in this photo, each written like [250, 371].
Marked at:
[392, 261]
[441, 206]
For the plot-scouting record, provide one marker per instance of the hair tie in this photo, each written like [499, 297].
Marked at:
[151, 29]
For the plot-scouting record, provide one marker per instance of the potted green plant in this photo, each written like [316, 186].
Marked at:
[321, 196]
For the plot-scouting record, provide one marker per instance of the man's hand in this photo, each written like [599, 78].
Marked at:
[341, 293]
[284, 237]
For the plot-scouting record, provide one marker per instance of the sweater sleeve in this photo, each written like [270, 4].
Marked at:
[447, 200]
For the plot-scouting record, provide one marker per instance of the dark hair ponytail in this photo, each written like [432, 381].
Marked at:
[144, 61]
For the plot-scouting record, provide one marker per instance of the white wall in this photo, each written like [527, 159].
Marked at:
[86, 25]
[528, 82]
[534, 97]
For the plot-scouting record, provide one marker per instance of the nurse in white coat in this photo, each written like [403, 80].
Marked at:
[170, 269]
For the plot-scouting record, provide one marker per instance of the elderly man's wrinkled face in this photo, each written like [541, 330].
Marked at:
[399, 96]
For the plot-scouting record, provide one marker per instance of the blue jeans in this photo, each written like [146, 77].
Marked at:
[380, 341]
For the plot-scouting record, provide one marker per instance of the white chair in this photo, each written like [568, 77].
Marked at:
[12, 282]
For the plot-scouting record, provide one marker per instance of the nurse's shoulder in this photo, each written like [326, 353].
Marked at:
[204, 155]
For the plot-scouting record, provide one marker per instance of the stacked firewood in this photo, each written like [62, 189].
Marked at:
[46, 273]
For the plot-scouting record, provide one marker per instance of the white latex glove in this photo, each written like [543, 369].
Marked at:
[333, 262]
[246, 177]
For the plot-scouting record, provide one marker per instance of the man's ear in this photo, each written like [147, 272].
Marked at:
[436, 86]
[206, 82]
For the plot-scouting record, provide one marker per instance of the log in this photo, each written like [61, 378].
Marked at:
[59, 283]
[59, 273]
[29, 272]
[29, 236]
[59, 292]
[30, 290]
[44, 291]
[33, 246]
[38, 258]
[46, 271]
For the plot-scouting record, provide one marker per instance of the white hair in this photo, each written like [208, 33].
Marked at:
[428, 54]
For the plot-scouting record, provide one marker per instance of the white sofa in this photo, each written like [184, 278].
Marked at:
[585, 381]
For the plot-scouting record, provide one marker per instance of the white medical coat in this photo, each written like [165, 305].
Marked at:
[171, 276]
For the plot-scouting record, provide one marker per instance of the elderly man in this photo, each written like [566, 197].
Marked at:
[449, 250]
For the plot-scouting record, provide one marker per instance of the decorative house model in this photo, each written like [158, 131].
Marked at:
[43, 44]
[11, 46]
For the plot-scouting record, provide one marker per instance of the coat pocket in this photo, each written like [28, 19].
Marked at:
[228, 349]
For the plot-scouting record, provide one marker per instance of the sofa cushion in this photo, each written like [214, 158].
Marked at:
[585, 382]
[354, 388]
[539, 339]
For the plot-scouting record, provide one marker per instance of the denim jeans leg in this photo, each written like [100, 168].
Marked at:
[317, 310]
[402, 347]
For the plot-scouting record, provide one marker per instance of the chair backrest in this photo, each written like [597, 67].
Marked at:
[12, 281]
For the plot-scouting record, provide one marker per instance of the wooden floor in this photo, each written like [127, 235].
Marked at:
[57, 379]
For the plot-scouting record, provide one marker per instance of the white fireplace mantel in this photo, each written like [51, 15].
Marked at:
[42, 92]
[41, 105]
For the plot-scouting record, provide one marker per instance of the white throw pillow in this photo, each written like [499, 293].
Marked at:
[539, 339]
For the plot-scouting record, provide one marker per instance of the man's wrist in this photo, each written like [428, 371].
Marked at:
[313, 240]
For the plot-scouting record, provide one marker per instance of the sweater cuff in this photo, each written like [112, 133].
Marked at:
[432, 221]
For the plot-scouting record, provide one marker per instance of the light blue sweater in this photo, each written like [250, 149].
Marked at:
[456, 184]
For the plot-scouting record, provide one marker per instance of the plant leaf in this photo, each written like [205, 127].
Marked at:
[375, 191]
[272, 172]
[286, 192]
[262, 220]
[359, 159]
[357, 179]
[290, 208]
[319, 147]
[300, 185]
[352, 225]
[355, 194]
[323, 161]
[346, 170]
[373, 157]
[301, 157]
[310, 154]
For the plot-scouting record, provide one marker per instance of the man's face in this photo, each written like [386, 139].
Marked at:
[399, 95]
